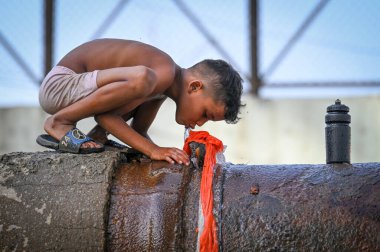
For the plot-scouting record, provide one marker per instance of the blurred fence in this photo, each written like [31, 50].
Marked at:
[282, 44]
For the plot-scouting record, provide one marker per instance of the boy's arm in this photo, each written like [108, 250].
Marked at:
[115, 124]
[144, 116]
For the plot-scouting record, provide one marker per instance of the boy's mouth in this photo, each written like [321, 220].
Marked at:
[191, 126]
[188, 125]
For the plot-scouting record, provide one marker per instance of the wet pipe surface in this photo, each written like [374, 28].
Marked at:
[154, 207]
[146, 207]
[297, 207]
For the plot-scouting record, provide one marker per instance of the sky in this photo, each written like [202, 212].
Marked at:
[342, 44]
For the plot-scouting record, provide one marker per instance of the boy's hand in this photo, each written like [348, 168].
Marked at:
[171, 155]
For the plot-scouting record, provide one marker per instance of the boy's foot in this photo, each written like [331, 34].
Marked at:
[58, 130]
[71, 142]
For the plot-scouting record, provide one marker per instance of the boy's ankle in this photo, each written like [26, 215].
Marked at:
[98, 134]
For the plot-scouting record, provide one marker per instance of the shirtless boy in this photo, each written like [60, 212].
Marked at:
[117, 80]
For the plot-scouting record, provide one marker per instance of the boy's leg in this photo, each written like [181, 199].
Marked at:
[117, 87]
[99, 134]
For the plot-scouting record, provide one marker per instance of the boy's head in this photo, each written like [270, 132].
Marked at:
[213, 92]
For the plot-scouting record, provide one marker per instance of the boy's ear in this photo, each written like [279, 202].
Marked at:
[195, 86]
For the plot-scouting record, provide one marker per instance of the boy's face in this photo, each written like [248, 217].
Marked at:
[197, 106]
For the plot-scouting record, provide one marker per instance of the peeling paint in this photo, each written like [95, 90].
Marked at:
[1, 228]
[9, 193]
[26, 240]
[41, 210]
[5, 175]
[11, 227]
[48, 219]
[15, 248]
[200, 225]
[85, 170]
[25, 170]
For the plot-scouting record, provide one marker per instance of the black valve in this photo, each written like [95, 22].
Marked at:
[338, 133]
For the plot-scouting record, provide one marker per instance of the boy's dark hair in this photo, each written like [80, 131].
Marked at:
[226, 84]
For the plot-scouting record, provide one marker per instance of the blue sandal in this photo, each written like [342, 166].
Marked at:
[71, 142]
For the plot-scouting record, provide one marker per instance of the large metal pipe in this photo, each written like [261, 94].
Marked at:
[154, 207]
[55, 201]
[300, 207]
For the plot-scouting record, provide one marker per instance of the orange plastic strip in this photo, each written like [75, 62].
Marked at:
[208, 239]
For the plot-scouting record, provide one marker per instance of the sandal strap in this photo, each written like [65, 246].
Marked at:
[72, 141]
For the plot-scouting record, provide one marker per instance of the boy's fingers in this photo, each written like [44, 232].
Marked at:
[184, 157]
[169, 159]
[181, 156]
[176, 156]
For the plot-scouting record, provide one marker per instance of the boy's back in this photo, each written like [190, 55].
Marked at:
[111, 53]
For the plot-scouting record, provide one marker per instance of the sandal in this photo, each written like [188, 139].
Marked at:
[71, 142]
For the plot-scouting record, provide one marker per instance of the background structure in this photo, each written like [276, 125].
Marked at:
[296, 59]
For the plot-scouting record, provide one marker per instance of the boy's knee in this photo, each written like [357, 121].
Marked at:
[144, 81]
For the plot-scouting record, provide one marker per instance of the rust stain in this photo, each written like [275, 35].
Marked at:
[254, 189]
[197, 152]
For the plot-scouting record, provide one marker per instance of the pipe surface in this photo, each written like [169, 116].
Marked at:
[154, 207]
[301, 207]
[55, 201]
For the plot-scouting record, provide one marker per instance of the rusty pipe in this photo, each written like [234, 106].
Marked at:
[334, 207]
[55, 201]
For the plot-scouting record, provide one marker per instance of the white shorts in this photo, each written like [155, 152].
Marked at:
[62, 87]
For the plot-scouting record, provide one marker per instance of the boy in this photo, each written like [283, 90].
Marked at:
[116, 80]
